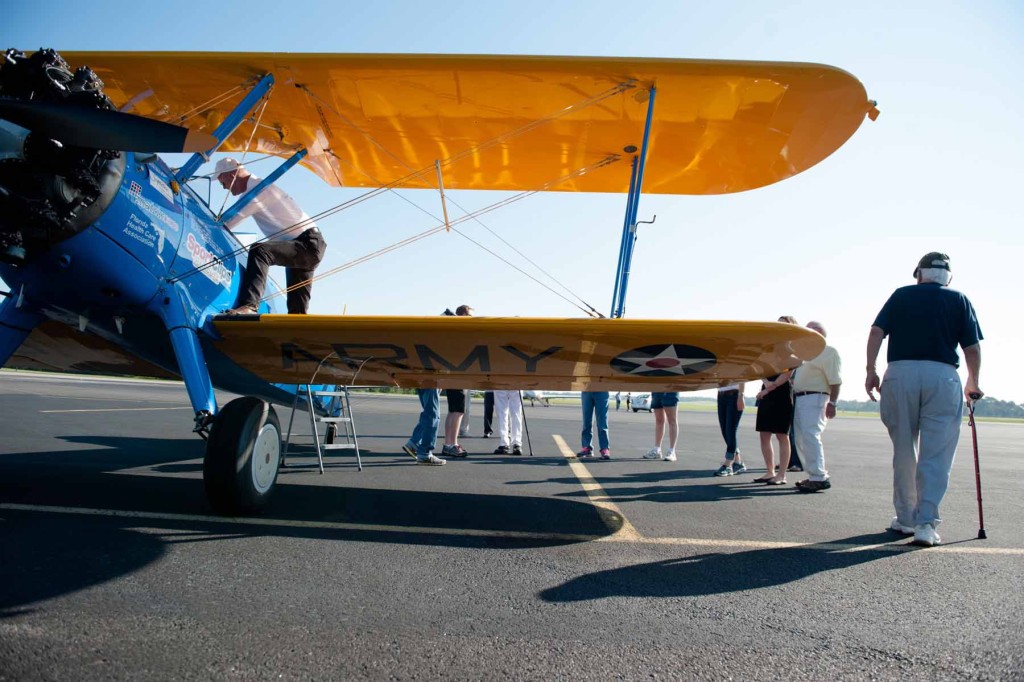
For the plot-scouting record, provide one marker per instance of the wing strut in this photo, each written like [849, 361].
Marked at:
[632, 206]
[440, 187]
[228, 126]
[266, 182]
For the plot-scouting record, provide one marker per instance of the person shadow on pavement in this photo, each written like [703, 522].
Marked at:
[720, 573]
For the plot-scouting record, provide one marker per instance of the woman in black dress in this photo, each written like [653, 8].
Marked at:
[775, 416]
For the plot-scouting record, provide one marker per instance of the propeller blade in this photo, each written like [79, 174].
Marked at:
[102, 128]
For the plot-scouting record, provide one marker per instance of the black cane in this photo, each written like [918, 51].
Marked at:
[526, 426]
[977, 469]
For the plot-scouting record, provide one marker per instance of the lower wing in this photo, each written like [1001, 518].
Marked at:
[512, 353]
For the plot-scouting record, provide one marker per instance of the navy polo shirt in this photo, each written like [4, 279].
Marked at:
[927, 322]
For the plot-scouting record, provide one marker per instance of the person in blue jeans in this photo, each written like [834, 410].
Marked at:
[595, 403]
[421, 443]
[730, 411]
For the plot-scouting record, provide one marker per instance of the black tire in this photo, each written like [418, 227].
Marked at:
[635, 410]
[332, 433]
[237, 482]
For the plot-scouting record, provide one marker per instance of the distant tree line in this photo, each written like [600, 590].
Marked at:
[986, 407]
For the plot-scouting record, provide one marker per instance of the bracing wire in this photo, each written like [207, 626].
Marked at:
[212, 102]
[416, 174]
[248, 145]
[474, 216]
[610, 92]
[471, 216]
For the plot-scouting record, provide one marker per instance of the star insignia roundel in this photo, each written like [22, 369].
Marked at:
[666, 360]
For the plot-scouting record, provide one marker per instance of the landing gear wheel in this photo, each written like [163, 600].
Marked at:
[243, 455]
[332, 433]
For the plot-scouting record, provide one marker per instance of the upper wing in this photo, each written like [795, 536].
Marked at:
[513, 353]
[508, 122]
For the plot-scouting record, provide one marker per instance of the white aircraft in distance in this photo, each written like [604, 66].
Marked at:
[544, 397]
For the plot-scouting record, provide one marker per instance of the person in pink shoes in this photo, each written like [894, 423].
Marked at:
[595, 406]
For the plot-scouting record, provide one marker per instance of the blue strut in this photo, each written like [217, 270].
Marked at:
[632, 207]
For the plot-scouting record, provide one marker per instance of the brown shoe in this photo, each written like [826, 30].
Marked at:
[809, 486]
[242, 310]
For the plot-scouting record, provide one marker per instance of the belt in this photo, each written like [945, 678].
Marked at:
[800, 393]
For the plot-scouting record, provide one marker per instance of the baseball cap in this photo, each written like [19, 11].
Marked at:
[933, 259]
[226, 165]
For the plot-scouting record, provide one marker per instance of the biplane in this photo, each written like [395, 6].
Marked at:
[117, 265]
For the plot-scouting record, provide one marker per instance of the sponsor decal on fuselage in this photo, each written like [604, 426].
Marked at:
[162, 187]
[152, 211]
[216, 273]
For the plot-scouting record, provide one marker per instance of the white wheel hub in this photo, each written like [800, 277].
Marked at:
[266, 458]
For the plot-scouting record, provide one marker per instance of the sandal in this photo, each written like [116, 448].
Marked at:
[763, 479]
[775, 481]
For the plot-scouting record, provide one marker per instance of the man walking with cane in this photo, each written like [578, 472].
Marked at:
[922, 400]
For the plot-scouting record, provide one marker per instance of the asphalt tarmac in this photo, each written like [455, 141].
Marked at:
[112, 565]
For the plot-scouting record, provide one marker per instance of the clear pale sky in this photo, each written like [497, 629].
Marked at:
[940, 170]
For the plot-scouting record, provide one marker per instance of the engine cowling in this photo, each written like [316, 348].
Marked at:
[49, 190]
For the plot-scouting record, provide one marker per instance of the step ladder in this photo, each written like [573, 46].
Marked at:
[340, 433]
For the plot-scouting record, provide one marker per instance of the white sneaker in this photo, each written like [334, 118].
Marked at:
[900, 528]
[653, 453]
[670, 457]
[925, 535]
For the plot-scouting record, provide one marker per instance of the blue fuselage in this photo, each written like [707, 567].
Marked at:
[154, 261]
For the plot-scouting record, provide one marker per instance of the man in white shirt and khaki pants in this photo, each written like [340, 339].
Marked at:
[816, 386]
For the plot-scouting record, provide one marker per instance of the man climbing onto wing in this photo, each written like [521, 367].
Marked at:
[291, 239]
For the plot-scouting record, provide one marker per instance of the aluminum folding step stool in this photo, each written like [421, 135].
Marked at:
[341, 426]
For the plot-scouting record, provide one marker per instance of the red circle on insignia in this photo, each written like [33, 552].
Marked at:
[661, 363]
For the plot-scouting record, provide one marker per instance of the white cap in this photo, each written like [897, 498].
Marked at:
[227, 165]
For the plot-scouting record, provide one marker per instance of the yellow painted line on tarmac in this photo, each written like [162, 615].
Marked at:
[619, 537]
[290, 523]
[117, 409]
[622, 530]
[955, 548]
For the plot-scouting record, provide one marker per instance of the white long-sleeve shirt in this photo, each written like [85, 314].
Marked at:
[274, 211]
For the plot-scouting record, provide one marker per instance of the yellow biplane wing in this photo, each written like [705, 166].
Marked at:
[512, 353]
[506, 122]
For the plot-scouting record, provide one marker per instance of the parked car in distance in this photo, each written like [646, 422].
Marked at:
[641, 401]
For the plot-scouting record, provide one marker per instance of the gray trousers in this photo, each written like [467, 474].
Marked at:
[922, 405]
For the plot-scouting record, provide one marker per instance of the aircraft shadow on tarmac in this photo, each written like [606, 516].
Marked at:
[59, 553]
[720, 573]
[47, 555]
[660, 486]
